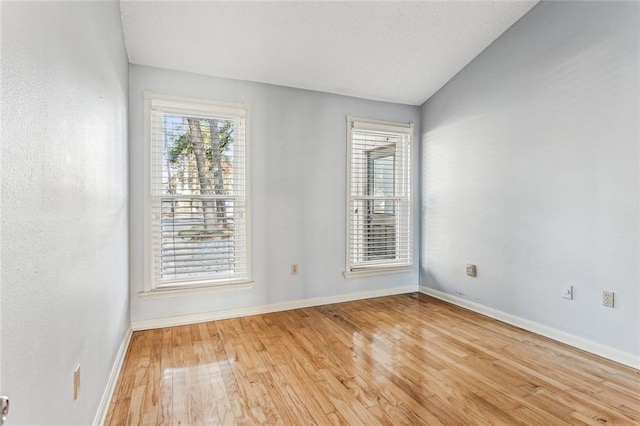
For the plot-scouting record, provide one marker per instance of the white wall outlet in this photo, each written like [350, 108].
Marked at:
[294, 269]
[567, 292]
[607, 298]
[471, 270]
[76, 382]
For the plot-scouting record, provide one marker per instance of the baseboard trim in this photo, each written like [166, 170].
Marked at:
[590, 346]
[265, 309]
[103, 408]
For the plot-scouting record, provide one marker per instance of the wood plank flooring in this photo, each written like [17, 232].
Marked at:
[397, 360]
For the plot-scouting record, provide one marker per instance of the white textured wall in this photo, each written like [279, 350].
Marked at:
[298, 163]
[531, 171]
[64, 206]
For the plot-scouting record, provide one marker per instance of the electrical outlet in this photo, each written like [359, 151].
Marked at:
[294, 268]
[567, 292]
[471, 270]
[607, 298]
[76, 382]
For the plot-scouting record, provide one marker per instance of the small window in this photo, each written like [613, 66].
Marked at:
[379, 230]
[198, 205]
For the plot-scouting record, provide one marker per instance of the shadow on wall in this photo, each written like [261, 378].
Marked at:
[428, 280]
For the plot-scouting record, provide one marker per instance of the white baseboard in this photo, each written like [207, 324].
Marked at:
[543, 330]
[103, 408]
[265, 309]
[604, 351]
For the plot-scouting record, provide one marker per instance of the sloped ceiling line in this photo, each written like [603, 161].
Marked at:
[399, 52]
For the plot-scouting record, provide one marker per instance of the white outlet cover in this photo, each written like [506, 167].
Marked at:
[567, 292]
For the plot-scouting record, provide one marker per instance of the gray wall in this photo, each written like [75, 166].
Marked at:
[64, 206]
[530, 169]
[298, 160]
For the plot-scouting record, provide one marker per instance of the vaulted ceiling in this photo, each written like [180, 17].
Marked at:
[391, 51]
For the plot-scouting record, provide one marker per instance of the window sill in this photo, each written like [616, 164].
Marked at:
[366, 272]
[192, 290]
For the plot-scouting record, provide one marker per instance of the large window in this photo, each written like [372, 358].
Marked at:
[198, 193]
[379, 232]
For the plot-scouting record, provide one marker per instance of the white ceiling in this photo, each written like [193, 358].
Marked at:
[392, 51]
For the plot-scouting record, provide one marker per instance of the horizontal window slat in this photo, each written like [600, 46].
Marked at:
[198, 190]
[379, 230]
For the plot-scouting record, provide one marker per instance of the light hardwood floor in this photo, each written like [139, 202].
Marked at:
[397, 360]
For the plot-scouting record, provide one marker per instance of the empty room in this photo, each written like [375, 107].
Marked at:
[319, 212]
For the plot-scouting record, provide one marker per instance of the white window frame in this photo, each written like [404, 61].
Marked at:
[394, 128]
[195, 107]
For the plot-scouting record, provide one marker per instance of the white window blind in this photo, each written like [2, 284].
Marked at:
[198, 184]
[379, 225]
